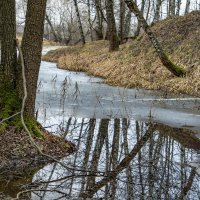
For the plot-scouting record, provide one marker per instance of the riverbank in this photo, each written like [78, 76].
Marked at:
[20, 158]
[136, 64]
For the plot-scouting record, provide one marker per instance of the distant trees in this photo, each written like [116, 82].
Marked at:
[176, 70]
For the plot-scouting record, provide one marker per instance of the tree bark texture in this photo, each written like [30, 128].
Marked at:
[8, 42]
[113, 38]
[176, 70]
[32, 48]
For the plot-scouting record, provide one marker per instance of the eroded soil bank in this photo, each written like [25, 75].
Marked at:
[19, 158]
[136, 64]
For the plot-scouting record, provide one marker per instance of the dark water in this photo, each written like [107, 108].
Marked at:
[131, 144]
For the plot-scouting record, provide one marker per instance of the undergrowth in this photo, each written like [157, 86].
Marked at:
[10, 104]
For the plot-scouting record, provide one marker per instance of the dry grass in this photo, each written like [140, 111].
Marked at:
[136, 63]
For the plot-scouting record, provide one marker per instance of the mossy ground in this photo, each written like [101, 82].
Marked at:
[136, 64]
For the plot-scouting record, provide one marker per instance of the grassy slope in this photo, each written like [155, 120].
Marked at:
[136, 63]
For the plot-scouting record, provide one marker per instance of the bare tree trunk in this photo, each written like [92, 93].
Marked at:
[113, 38]
[138, 132]
[79, 22]
[89, 19]
[188, 185]
[88, 149]
[187, 7]
[122, 21]
[103, 131]
[127, 24]
[176, 70]
[114, 155]
[56, 38]
[157, 12]
[129, 174]
[172, 6]
[99, 25]
[32, 48]
[178, 7]
[139, 24]
[1, 23]
[8, 43]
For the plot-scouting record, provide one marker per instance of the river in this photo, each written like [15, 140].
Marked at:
[117, 145]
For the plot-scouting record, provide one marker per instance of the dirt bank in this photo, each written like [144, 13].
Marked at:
[136, 63]
[18, 157]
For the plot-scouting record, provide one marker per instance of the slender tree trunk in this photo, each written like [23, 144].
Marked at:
[113, 38]
[79, 22]
[139, 24]
[129, 174]
[188, 186]
[127, 24]
[157, 12]
[172, 6]
[8, 43]
[187, 7]
[103, 132]
[89, 19]
[99, 22]
[176, 70]
[89, 141]
[32, 48]
[56, 38]
[178, 7]
[122, 21]
[114, 155]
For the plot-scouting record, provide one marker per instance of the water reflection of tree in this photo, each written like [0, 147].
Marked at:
[125, 159]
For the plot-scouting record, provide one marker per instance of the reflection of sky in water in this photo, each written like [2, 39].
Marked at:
[62, 94]
[67, 101]
[162, 161]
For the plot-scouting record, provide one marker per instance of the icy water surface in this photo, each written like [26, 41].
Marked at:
[130, 143]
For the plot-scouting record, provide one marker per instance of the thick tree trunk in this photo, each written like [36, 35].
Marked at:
[1, 23]
[32, 48]
[176, 70]
[113, 38]
[79, 22]
[8, 42]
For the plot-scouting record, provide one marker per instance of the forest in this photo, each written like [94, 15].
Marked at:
[99, 99]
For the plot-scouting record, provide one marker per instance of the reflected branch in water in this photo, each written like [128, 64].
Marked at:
[102, 133]
[188, 186]
[121, 166]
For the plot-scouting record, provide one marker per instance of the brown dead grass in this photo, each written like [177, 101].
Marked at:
[136, 63]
